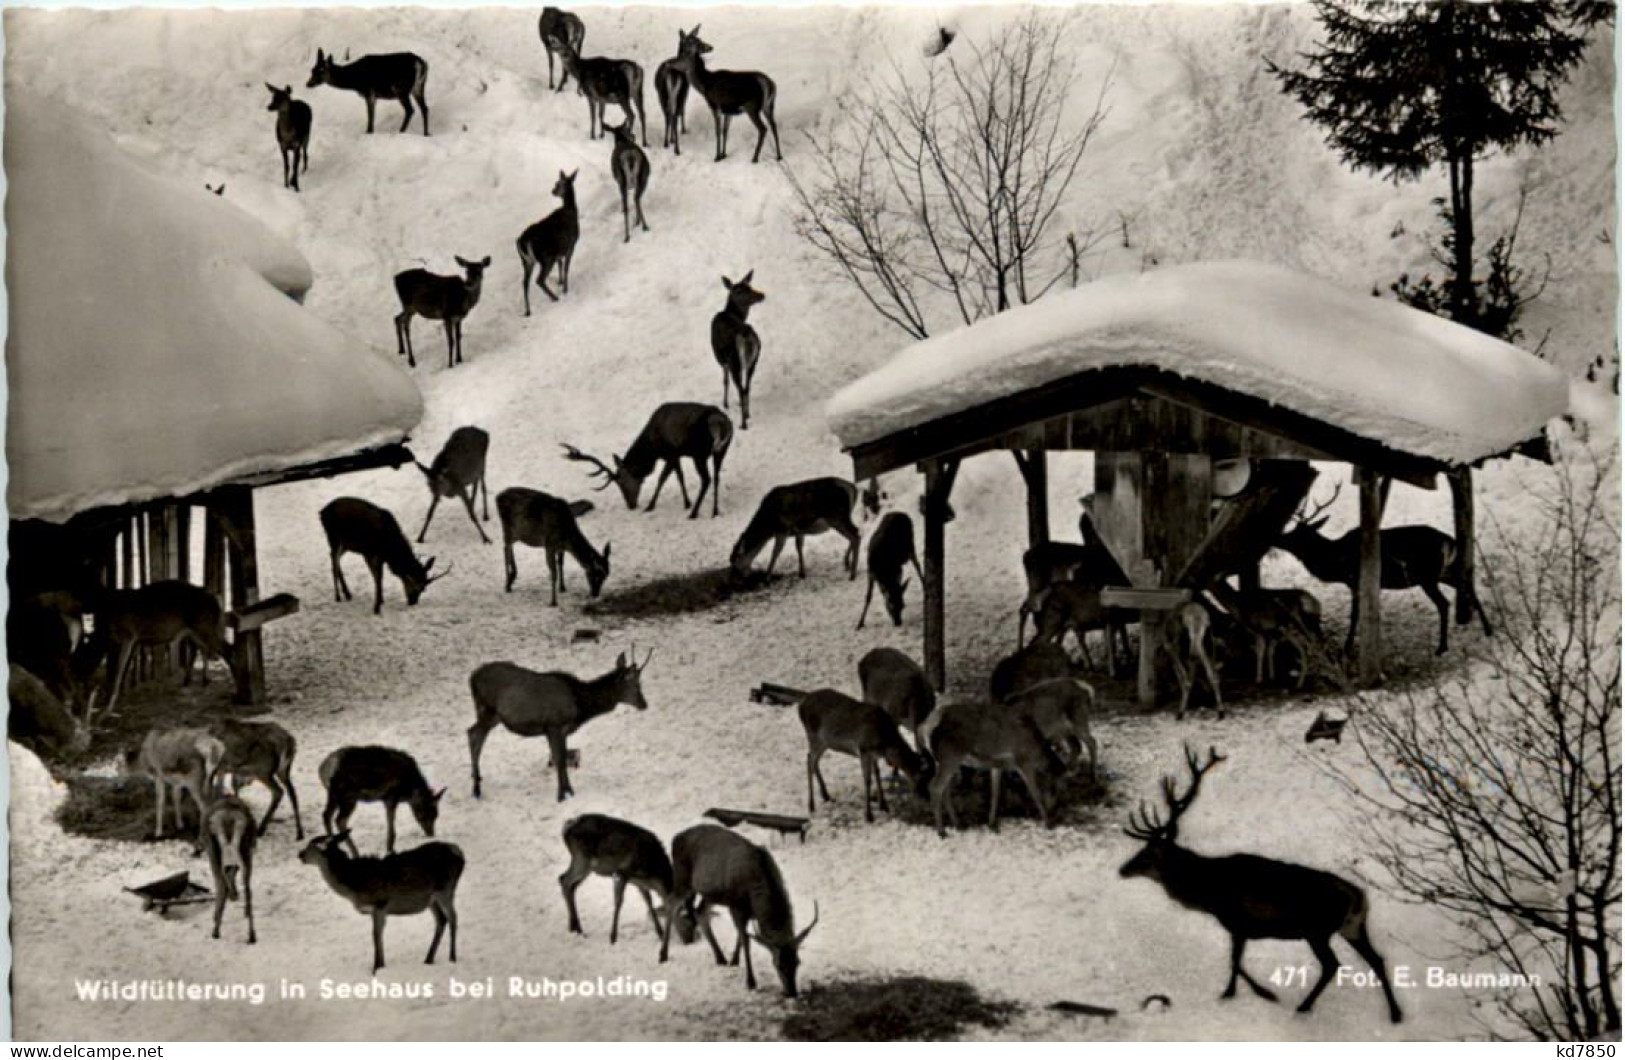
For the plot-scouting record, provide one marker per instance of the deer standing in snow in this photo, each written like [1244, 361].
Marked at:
[541, 520]
[735, 343]
[399, 76]
[405, 884]
[551, 241]
[676, 430]
[448, 299]
[292, 134]
[459, 471]
[729, 93]
[608, 846]
[631, 168]
[891, 546]
[354, 525]
[795, 511]
[559, 30]
[354, 775]
[833, 721]
[229, 828]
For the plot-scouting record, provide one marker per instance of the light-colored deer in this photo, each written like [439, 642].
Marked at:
[836, 722]
[1253, 897]
[553, 704]
[448, 299]
[354, 525]
[676, 431]
[1038, 680]
[161, 614]
[184, 759]
[541, 520]
[404, 884]
[229, 829]
[399, 76]
[459, 471]
[795, 511]
[718, 867]
[991, 738]
[1188, 639]
[262, 751]
[895, 683]
[608, 846]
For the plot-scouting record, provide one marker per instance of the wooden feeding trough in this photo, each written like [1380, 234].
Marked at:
[1203, 392]
[777, 695]
[776, 822]
[169, 891]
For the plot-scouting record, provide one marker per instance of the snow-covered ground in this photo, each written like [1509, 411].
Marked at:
[1200, 147]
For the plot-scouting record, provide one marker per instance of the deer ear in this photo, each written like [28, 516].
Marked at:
[436, 796]
[727, 284]
[606, 552]
[320, 56]
[695, 32]
[429, 564]
[620, 661]
[270, 87]
[287, 90]
[573, 174]
[748, 276]
[485, 262]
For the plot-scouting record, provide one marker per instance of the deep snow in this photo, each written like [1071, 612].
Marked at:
[1199, 147]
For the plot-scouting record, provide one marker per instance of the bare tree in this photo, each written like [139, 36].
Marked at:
[1497, 792]
[942, 188]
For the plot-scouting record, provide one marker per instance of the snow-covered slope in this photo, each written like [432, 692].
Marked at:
[1201, 152]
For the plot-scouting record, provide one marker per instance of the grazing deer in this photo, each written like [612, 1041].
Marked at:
[552, 241]
[677, 429]
[671, 89]
[354, 775]
[837, 722]
[448, 299]
[41, 721]
[399, 76]
[262, 751]
[292, 134]
[403, 884]
[553, 704]
[735, 343]
[1413, 557]
[1273, 618]
[229, 828]
[541, 520]
[45, 635]
[1075, 606]
[720, 867]
[605, 81]
[184, 759]
[459, 471]
[990, 738]
[558, 30]
[609, 846]
[355, 525]
[1038, 679]
[895, 683]
[1188, 639]
[161, 614]
[794, 511]
[890, 547]
[631, 168]
[729, 92]
[1251, 896]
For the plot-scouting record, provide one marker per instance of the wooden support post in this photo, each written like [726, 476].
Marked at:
[1034, 467]
[1175, 505]
[939, 484]
[164, 661]
[1368, 590]
[236, 508]
[1461, 492]
[179, 517]
[214, 556]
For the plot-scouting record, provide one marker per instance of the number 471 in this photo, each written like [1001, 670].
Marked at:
[1290, 975]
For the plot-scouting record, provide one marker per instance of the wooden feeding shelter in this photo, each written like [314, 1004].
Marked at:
[1167, 377]
[160, 369]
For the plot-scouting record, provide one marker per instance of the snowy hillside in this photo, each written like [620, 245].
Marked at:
[1199, 147]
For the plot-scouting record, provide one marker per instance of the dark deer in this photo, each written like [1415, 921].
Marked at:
[735, 343]
[541, 520]
[677, 430]
[631, 168]
[1251, 896]
[292, 134]
[833, 721]
[895, 683]
[1076, 606]
[719, 867]
[605, 81]
[228, 828]
[355, 525]
[992, 738]
[671, 89]
[262, 751]
[354, 775]
[608, 846]
[459, 471]
[1038, 680]
[40, 721]
[161, 614]
[891, 546]
[45, 635]
[552, 241]
[794, 511]
[553, 704]
[1413, 557]
[399, 76]
[404, 884]
[558, 30]
[729, 92]
[445, 298]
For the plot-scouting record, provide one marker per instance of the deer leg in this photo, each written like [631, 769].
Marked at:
[724, 386]
[377, 568]
[852, 538]
[526, 263]
[701, 914]
[406, 119]
[741, 920]
[1237, 946]
[801, 561]
[677, 465]
[126, 655]
[158, 829]
[716, 125]
[654, 917]
[1328, 968]
[248, 898]
[555, 742]
[389, 817]
[434, 502]
[1361, 942]
[570, 879]
[872, 768]
[485, 497]
[564, 270]
[868, 596]
[1212, 679]
[378, 918]
[555, 572]
[716, 485]
[940, 783]
[1037, 792]
[423, 105]
[778, 546]
[812, 766]
[1443, 605]
[778, 152]
[439, 930]
[814, 759]
[468, 502]
[372, 102]
[705, 486]
[508, 565]
[727, 122]
[615, 918]
[276, 800]
[660, 484]
[403, 337]
[477, 733]
[638, 201]
[997, 781]
[761, 134]
[626, 214]
[286, 774]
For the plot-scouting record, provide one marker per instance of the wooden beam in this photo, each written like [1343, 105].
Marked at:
[1176, 502]
[1034, 467]
[939, 485]
[393, 455]
[235, 507]
[1461, 495]
[1368, 590]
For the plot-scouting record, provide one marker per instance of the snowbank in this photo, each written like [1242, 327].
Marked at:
[1381, 370]
[154, 349]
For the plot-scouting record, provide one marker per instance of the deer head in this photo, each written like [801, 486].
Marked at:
[415, 581]
[630, 690]
[565, 186]
[426, 807]
[787, 954]
[598, 573]
[280, 97]
[689, 44]
[631, 485]
[741, 295]
[473, 271]
[894, 600]
[1162, 835]
[322, 72]
[1306, 526]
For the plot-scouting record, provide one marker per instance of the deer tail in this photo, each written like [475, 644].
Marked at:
[722, 435]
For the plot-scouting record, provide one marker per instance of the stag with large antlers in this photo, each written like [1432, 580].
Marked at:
[676, 431]
[1413, 557]
[1251, 896]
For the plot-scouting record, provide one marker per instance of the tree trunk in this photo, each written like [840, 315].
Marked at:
[1462, 308]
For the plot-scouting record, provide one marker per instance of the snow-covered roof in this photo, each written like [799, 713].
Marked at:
[153, 348]
[1405, 379]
